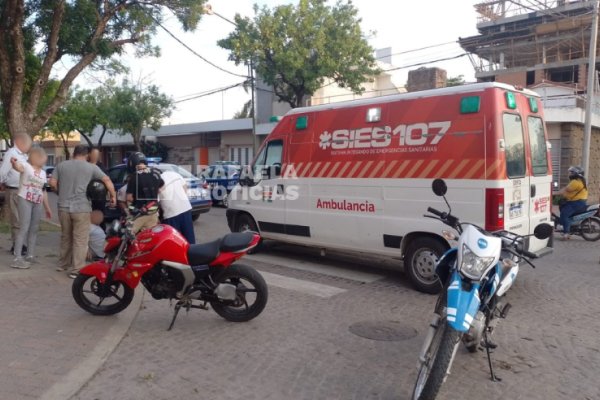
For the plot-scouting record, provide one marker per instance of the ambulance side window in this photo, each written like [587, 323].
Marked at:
[539, 149]
[268, 162]
[514, 147]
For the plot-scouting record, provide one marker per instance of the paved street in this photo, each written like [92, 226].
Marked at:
[308, 344]
[302, 346]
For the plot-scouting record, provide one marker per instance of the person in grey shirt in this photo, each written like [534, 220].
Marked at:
[70, 179]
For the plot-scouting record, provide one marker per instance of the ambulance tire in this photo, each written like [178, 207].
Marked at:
[243, 223]
[421, 256]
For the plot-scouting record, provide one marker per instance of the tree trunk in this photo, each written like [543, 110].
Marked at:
[136, 140]
[104, 129]
[87, 138]
[65, 142]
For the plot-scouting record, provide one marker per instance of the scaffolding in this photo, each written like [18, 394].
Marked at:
[530, 34]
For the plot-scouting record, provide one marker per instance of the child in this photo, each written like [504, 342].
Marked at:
[97, 236]
[31, 198]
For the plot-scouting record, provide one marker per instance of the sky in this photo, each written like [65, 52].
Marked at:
[401, 24]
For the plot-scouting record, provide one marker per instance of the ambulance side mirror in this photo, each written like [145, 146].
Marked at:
[439, 187]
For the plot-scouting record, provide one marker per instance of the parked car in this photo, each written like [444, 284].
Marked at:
[197, 192]
[221, 179]
[49, 169]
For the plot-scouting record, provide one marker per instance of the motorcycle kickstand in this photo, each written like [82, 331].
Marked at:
[177, 308]
[493, 376]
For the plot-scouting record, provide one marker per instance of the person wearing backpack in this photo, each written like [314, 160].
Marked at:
[143, 186]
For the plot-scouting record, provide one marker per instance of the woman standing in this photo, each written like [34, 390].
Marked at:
[31, 199]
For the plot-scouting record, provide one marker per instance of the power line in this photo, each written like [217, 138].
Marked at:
[418, 49]
[426, 62]
[205, 91]
[210, 92]
[196, 53]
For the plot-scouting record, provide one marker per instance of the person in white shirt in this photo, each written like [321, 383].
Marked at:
[9, 179]
[32, 198]
[97, 236]
[175, 205]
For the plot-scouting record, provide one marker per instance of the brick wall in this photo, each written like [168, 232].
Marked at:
[518, 78]
[426, 78]
[572, 154]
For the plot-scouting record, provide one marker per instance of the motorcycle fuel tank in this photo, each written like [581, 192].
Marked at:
[160, 243]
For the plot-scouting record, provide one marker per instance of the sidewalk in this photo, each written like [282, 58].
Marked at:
[49, 347]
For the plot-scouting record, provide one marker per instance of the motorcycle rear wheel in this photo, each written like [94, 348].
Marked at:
[81, 293]
[434, 370]
[590, 229]
[248, 281]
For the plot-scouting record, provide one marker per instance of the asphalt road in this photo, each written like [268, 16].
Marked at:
[341, 327]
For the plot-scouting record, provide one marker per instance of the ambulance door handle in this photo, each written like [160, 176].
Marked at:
[533, 191]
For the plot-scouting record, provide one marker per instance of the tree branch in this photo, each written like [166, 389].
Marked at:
[51, 57]
[61, 95]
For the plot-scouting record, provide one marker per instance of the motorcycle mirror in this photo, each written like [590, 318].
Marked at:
[543, 231]
[439, 187]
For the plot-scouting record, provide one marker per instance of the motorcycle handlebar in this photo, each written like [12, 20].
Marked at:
[436, 212]
[528, 254]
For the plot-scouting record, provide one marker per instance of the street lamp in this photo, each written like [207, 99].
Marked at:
[209, 11]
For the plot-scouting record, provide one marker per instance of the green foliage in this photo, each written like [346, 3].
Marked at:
[295, 48]
[37, 35]
[87, 109]
[155, 149]
[245, 112]
[135, 108]
[455, 81]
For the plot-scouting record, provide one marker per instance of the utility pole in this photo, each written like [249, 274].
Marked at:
[591, 88]
[253, 84]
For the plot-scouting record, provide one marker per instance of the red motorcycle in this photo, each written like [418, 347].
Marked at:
[170, 268]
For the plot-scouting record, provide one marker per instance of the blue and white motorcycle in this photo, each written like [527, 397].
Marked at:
[475, 276]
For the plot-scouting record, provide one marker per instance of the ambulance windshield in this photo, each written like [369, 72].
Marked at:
[514, 146]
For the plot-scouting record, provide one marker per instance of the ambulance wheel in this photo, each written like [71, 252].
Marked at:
[420, 260]
[244, 223]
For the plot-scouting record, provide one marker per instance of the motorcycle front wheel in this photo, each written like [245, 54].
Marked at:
[590, 229]
[98, 298]
[251, 294]
[436, 367]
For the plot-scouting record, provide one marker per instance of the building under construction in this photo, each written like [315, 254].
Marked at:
[531, 41]
[543, 45]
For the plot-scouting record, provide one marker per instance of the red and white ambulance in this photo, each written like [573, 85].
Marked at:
[356, 175]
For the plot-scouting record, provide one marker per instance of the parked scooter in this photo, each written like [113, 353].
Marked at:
[169, 268]
[475, 276]
[585, 224]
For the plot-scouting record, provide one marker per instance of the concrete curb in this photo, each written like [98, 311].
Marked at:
[81, 373]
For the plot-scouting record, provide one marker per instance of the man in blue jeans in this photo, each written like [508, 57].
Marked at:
[575, 194]
[175, 205]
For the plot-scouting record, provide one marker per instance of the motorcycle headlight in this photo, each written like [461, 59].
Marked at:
[473, 266]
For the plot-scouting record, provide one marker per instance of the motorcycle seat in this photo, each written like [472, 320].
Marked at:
[202, 254]
[237, 241]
